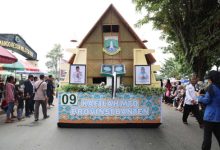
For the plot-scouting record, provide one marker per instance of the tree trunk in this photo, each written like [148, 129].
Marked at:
[200, 66]
[56, 70]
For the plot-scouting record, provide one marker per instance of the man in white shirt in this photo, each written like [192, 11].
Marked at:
[40, 97]
[191, 102]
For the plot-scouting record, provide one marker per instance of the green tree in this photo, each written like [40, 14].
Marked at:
[216, 60]
[54, 57]
[174, 68]
[191, 27]
[217, 64]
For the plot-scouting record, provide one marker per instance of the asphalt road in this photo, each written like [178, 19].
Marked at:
[45, 135]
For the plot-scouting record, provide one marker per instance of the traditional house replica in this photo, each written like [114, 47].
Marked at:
[112, 46]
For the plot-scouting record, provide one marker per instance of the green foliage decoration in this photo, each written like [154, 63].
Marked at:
[175, 68]
[143, 90]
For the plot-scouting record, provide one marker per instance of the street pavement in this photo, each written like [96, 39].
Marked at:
[45, 135]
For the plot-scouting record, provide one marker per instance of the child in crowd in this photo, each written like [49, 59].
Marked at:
[20, 98]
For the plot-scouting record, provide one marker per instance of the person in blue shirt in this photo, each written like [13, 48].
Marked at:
[212, 111]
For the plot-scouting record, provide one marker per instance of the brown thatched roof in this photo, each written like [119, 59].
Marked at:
[149, 57]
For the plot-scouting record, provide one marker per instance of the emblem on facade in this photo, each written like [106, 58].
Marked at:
[111, 46]
[17, 39]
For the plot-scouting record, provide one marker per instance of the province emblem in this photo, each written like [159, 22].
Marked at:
[111, 46]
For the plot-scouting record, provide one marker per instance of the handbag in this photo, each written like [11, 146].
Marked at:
[38, 86]
[4, 105]
[167, 93]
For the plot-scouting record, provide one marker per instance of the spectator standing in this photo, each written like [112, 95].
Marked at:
[177, 96]
[1, 89]
[28, 94]
[40, 97]
[33, 82]
[180, 97]
[168, 87]
[35, 79]
[56, 86]
[10, 98]
[50, 90]
[212, 111]
[174, 93]
[16, 91]
[191, 102]
[161, 83]
[20, 107]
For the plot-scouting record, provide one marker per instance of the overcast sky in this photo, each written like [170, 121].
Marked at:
[43, 23]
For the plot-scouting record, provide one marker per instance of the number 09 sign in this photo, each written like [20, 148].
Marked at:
[69, 99]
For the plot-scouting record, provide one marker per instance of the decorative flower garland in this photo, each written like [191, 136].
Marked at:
[144, 90]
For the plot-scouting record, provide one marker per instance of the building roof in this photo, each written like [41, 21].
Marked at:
[149, 57]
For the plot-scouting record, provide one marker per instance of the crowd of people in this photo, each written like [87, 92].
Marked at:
[27, 97]
[202, 100]
[174, 94]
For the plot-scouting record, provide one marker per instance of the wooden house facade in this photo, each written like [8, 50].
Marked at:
[90, 51]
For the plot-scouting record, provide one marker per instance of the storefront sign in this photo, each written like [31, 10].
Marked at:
[16, 43]
[101, 108]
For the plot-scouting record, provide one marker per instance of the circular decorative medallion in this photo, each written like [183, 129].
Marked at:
[17, 39]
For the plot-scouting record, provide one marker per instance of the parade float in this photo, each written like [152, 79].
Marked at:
[111, 80]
